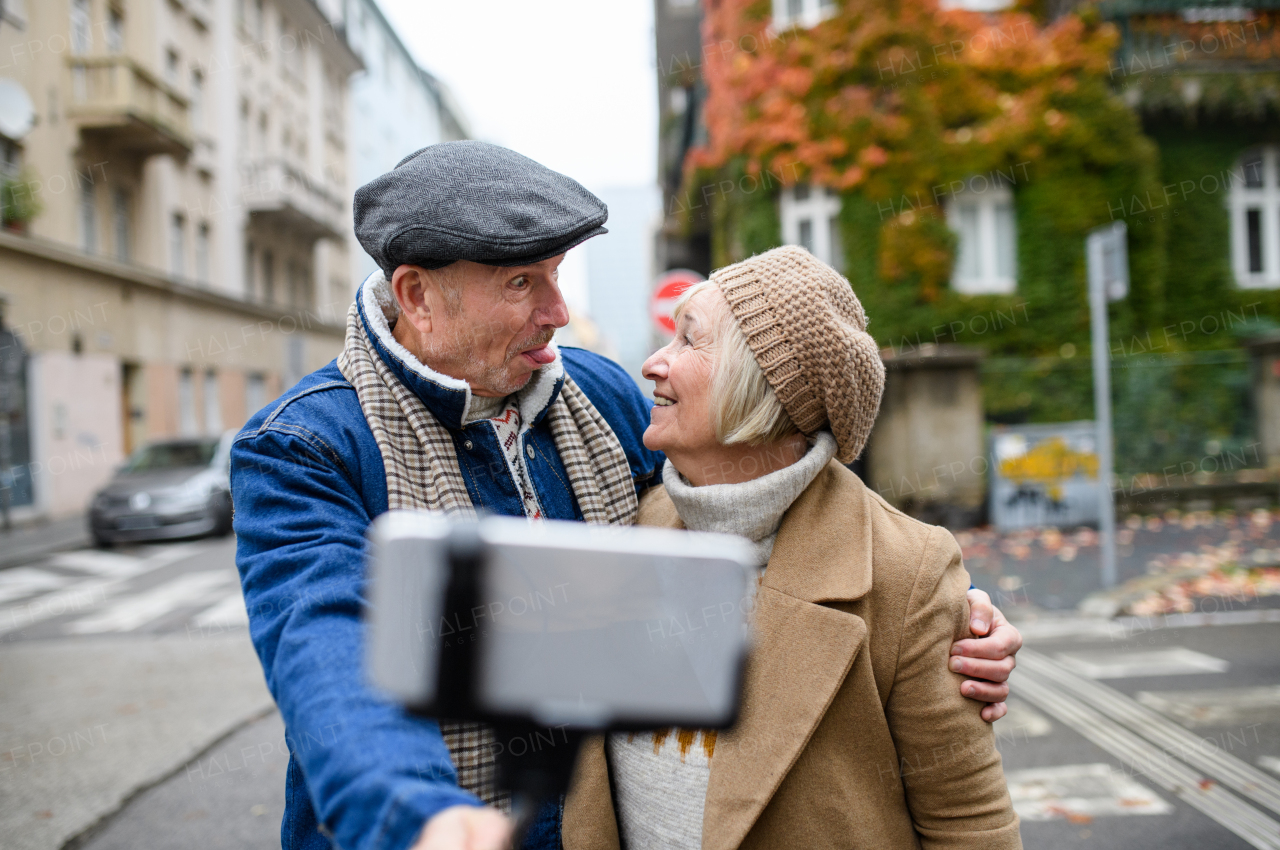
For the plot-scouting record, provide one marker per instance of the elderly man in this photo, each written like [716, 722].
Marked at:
[448, 394]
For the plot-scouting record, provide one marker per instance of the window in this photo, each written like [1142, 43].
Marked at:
[197, 101]
[202, 252]
[810, 218]
[88, 218]
[976, 5]
[249, 276]
[263, 133]
[290, 47]
[254, 17]
[120, 223]
[171, 65]
[178, 245]
[15, 12]
[268, 277]
[212, 405]
[10, 163]
[10, 155]
[1255, 218]
[81, 27]
[245, 122]
[986, 257]
[805, 13]
[297, 282]
[255, 393]
[188, 425]
[115, 30]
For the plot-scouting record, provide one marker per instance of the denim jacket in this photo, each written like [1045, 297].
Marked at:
[307, 479]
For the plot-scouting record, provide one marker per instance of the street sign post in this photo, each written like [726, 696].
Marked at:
[1107, 259]
[666, 291]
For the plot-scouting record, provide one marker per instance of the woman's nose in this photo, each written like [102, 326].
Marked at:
[655, 368]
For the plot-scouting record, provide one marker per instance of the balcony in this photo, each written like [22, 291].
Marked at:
[116, 101]
[278, 194]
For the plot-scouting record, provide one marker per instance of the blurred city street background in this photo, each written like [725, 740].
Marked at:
[176, 251]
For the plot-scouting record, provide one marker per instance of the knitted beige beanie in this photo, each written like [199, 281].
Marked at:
[809, 334]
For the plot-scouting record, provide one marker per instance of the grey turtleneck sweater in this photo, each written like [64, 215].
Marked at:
[660, 778]
[752, 509]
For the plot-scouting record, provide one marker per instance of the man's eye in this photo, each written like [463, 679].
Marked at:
[520, 283]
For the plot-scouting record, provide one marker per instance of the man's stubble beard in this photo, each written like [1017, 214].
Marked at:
[482, 375]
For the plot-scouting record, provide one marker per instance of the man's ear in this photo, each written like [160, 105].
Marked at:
[409, 285]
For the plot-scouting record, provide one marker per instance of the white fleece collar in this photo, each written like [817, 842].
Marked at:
[381, 309]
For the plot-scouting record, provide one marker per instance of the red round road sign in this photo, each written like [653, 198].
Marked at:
[668, 289]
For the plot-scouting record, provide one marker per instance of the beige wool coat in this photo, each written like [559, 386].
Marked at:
[853, 732]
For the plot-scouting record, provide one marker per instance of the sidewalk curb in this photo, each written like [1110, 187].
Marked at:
[1111, 603]
[84, 836]
[73, 534]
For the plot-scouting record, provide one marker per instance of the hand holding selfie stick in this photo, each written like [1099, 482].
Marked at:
[549, 631]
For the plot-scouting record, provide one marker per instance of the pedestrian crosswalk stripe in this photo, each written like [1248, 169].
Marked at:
[89, 593]
[1138, 756]
[1080, 792]
[229, 613]
[1022, 721]
[130, 612]
[1217, 707]
[106, 564]
[1202, 753]
[75, 598]
[1089, 628]
[1176, 745]
[18, 582]
[1172, 661]
[1271, 763]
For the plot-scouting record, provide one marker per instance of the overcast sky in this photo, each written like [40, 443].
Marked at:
[570, 83]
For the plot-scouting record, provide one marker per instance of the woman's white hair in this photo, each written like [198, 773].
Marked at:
[744, 408]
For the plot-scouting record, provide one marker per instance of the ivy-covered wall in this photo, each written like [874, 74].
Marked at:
[1180, 379]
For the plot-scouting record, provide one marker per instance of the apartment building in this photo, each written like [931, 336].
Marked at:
[397, 106]
[176, 183]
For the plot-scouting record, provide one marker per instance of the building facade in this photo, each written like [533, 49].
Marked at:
[684, 239]
[957, 200]
[397, 107]
[176, 188]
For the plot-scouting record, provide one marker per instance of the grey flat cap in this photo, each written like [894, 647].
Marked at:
[473, 201]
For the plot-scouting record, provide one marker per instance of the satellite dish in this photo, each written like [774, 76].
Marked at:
[17, 113]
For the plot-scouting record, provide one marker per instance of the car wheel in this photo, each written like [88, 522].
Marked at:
[100, 542]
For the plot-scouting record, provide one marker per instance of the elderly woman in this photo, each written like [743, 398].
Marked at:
[853, 732]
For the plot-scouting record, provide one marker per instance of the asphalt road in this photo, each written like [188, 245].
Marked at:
[118, 669]
[1149, 736]
[132, 714]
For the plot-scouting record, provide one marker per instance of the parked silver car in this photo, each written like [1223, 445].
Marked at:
[166, 490]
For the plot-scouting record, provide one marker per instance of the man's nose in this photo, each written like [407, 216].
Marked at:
[553, 311]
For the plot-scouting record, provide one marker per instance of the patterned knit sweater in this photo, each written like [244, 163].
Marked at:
[504, 416]
[660, 777]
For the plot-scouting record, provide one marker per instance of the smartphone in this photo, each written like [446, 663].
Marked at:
[561, 623]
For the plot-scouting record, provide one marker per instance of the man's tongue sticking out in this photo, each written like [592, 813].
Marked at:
[541, 355]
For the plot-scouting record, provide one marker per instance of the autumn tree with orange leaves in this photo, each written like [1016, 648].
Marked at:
[898, 101]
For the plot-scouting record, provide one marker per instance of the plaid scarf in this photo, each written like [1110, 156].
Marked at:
[422, 472]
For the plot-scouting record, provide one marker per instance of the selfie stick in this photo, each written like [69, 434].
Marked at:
[539, 773]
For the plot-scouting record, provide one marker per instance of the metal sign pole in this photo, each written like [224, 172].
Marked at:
[1108, 266]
